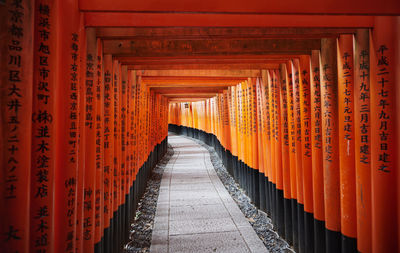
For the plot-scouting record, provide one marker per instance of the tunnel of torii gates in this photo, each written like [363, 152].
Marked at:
[298, 98]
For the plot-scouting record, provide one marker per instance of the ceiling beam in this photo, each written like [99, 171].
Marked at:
[170, 81]
[188, 90]
[246, 7]
[185, 33]
[203, 95]
[134, 19]
[193, 66]
[183, 100]
[167, 48]
[203, 73]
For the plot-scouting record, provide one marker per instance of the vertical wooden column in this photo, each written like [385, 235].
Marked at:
[90, 142]
[99, 158]
[254, 142]
[278, 153]
[346, 143]
[305, 113]
[384, 149]
[123, 148]
[67, 127]
[292, 153]
[272, 123]
[316, 150]
[82, 141]
[362, 132]
[43, 128]
[261, 152]
[285, 153]
[267, 139]
[108, 162]
[299, 155]
[16, 132]
[362, 135]
[330, 143]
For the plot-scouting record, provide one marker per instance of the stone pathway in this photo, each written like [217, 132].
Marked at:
[195, 213]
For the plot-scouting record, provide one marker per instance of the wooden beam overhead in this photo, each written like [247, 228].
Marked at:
[188, 90]
[185, 33]
[188, 84]
[190, 66]
[168, 81]
[202, 73]
[188, 95]
[183, 100]
[167, 48]
[184, 96]
[246, 7]
[134, 19]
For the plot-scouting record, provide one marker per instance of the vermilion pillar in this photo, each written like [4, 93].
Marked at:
[285, 154]
[317, 158]
[362, 139]
[99, 158]
[299, 155]
[16, 107]
[305, 113]
[292, 152]
[89, 184]
[346, 143]
[67, 117]
[43, 128]
[384, 149]
[108, 162]
[82, 141]
[330, 143]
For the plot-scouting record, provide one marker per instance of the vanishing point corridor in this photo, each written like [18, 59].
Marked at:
[195, 213]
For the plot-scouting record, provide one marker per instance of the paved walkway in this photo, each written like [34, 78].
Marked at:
[195, 213]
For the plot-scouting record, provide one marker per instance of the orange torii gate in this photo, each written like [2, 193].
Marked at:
[302, 109]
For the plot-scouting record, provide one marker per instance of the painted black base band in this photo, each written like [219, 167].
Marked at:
[319, 236]
[280, 212]
[309, 231]
[287, 206]
[301, 229]
[262, 191]
[295, 224]
[333, 241]
[349, 244]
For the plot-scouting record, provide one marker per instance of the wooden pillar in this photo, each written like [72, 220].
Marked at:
[99, 158]
[384, 148]
[305, 113]
[82, 142]
[16, 132]
[299, 155]
[317, 156]
[43, 128]
[90, 142]
[292, 154]
[362, 135]
[108, 162]
[330, 142]
[261, 152]
[346, 143]
[285, 154]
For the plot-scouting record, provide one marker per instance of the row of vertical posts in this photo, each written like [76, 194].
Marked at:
[80, 133]
[315, 142]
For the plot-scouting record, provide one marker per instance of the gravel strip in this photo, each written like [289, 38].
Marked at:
[258, 219]
[142, 227]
